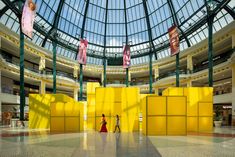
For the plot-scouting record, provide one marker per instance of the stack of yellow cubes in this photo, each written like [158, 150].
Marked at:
[91, 86]
[164, 115]
[199, 106]
[56, 112]
[179, 111]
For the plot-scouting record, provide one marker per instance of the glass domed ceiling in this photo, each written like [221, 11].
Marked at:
[109, 24]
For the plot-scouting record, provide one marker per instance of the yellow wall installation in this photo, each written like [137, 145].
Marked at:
[142, 104]
[90, 121]
[117, 100]
[56, 112]
[164, 115]
[199, 107]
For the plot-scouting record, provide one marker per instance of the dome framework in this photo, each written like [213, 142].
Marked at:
[110, 24]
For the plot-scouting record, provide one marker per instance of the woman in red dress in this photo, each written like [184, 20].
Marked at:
[103, 126]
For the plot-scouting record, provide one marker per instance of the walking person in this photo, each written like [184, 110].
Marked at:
[104, 123]
[117, 124]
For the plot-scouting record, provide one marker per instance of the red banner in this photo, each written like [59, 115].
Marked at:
[28, 17]
[126, 56]
[82, 51]
[174, 40]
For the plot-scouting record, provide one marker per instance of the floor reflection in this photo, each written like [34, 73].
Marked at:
[38, 143]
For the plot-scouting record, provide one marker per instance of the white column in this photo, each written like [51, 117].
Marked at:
[156, 90]
[189, 63]
[233, 39]
[156, 72]
[75, 94]
[42, 87]
[42, 63]
[189, 83]
[102, 78]
[129, 76]
[75, 71]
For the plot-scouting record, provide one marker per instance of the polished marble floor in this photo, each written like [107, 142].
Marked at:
[41, 143]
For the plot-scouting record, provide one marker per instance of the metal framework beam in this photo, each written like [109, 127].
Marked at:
[127, 70]
[84, 21]
[228, 9]
[13, 8]
[82, 35]
[4, 9]
[104, 51]
[152, 48]
[22, 91]
[176, 21]
[55, 23]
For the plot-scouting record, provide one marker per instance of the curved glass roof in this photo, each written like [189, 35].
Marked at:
[109, 24]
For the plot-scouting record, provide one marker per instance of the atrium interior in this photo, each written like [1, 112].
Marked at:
[117, 78]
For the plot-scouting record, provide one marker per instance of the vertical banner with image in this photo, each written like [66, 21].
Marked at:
[174, 40]
[126, 56]
[27, 19]
[82, 51]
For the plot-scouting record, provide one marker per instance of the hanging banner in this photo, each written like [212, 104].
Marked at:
[174, 40]
[28, 17]
[82, 51]
[126, 56]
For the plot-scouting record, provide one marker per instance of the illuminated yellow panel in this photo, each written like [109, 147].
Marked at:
[156, 105]
[192, 109]
[112, 123]
[90, 123]
[192, 94]
[71, 109]
[99, 95]
[82, 107]
[141, 99]
[131, 94]
[116, 109]
[104, 94]
[165, 92]
[91, 87]
[205, 124]
[125, 126]
[136, 127]
[91, 99]
[176, 125]
[72, 124]
[192, 124]
[39, 111]
[102, 108]
[117, 94]
[143, 104]
[90, 110]
[157, 125]
[205, 109]
[176, 105]
[205, 94]
[175, 91]
[57, 124]
[57, 109]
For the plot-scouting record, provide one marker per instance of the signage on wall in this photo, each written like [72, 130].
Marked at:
[126, 56]
[227, 107]
[28, 17]
[174, 40]
[82, 50]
